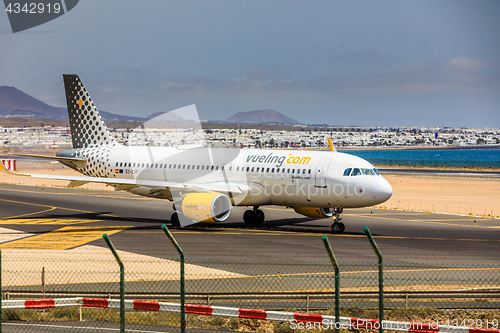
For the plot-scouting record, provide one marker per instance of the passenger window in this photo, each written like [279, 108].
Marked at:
[278, 170]
[248, 168]
[347, 171]
[197, 167]
[230, 168]
[117, 164]
[133, 165]
[267, 170]
[174, 166]
[272, 170]
[143, 165]
[183, 166]
[212, 167]
[309, 171]
[217, 167]
[293, 170]
[237, 168]
[304, 171]
[161, 166]
[288, 171]
[298, 171]
[121, 164]
[188, 166]
[356, 172]
[252, 169]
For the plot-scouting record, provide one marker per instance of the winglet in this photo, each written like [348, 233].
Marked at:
[331, 146]
[4, 169]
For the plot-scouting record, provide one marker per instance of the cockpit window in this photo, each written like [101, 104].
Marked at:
[347, 171]
[376, 172]
[368, 172]
[356, 172]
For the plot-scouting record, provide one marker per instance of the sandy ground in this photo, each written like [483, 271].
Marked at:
[88, 264]
[460, 196]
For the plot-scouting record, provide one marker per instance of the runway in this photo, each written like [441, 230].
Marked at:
[61, 219]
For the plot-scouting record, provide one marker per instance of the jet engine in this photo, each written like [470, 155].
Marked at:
[206, 207]
[318, 213]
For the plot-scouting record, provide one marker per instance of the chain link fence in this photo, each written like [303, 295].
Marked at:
[83, 291]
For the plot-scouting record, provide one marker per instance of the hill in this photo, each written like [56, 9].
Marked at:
[261, 117]
[14, 103]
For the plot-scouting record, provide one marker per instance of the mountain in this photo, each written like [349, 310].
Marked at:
[16, 104]
[261, 117]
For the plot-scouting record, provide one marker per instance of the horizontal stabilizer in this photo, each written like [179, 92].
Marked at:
[77, 161]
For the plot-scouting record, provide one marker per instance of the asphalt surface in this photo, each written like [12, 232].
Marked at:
[403, 237]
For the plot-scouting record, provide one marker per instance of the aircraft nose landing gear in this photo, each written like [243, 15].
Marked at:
[337, 226]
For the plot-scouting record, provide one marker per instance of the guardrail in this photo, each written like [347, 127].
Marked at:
[404, 297]
[296, 320]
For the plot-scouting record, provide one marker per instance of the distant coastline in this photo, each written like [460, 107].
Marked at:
[477, 156]
[497, 146]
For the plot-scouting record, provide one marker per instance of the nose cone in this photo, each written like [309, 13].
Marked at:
[382, 191]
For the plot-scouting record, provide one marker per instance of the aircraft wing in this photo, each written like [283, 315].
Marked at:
[81, 180]
[123, 184]
[220, 187]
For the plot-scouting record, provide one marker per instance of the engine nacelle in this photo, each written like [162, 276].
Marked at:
[317, 213]
[206, 207]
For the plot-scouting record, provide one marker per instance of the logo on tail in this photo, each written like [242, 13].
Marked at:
[88, 130]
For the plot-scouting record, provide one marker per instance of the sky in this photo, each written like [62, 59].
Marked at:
[366, 63]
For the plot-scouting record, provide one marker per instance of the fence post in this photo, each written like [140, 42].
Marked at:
[183, 292]
[337, 280]
[122, 282]
[380, 278]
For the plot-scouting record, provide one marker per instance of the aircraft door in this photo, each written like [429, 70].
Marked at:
[321, 170]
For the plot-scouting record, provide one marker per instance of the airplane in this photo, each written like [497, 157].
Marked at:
[204, 183]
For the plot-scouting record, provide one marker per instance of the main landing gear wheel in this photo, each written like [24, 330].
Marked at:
[175, 220]
[255, 216]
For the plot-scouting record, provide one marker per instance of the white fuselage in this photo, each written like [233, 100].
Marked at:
[264, 176]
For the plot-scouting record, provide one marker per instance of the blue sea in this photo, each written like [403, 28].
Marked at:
[431, 157]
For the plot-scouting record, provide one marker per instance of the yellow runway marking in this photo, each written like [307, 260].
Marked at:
[44, 221]
[70, 209]
[62, 239]
[119, 196]
[28, 214]
[431, 222]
